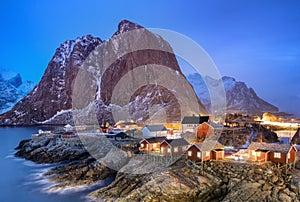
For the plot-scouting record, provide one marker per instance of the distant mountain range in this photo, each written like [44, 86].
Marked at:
[12, 89]
[50, 102]
[239, 97]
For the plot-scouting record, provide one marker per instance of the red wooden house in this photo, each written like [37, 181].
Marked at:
[207, 150]
[203, 130]
[68, 134]
[173, 147]
[151, 144]
[277, 153]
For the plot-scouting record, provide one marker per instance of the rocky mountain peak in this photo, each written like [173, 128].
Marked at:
[239, 97]
[125, 26]
[16, 81]
[50, 102]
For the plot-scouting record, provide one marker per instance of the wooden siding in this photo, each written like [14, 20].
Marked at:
[204, 130]
[217, 154]
[194, 151]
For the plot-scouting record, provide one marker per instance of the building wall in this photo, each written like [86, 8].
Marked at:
[189, 128]
[143, 144]
[146, 132]
[164, 149]
[204, 130]
[206, 158]
[263, 156]
[194, 151]
[282, 158]
[217, 155]
[251, 156]
[292, 155]
[174, 126]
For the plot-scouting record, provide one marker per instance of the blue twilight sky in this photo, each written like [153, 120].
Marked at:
[255, 41]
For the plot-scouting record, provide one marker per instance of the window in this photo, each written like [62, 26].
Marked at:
[289, 155]
[199, 155]
[169, 150]
[207, 154]
[253, 153]
[142, 145]
[189, 153]
[154, 145]
[175, 149]
[277, 155]
[258, 153]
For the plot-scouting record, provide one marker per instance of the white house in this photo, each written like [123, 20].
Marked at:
[154, 131]
[190, 123]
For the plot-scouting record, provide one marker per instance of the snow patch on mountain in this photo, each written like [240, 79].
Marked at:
[239, 97]
[12, 89]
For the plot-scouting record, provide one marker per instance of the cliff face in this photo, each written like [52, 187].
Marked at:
[50, 102]
[51, 98]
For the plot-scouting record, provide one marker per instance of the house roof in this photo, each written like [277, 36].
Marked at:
[209, 145]
[131, 130]
[154, 139]
[213, 125]
[128, 123]
[272, 147]
[194, 119]
[155, 128]
[121, 134]
[177, 142]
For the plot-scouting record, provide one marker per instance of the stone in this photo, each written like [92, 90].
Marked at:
[266, 187]
[274, 179]
[294, 188]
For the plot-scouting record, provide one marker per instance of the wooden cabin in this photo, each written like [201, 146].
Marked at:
[205, 151]
[277, 153]
[154, 131]
[190, 123]
[68, 134]
[151, 144]
[173, 147]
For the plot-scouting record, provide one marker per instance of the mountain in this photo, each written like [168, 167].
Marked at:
[239, 97]
[12, 89]
[65, 87]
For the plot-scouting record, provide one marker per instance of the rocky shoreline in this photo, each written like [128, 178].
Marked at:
[181, 181]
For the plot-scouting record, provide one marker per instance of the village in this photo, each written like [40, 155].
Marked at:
[195, 139]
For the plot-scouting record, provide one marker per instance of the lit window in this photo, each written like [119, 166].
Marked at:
[257, 153]
[147, 145]
[175, 149]
[289, 155]
[207, 153]
[277, 155]
[253, 153]
[169, 150]
[142, 145]
[199, 154]
[154, 145]
[189, 153]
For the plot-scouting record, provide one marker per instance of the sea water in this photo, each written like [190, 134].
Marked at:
[23, 181]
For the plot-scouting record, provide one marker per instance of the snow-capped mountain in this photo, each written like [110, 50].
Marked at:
[239, 97]
[12, 89]
[50, 102]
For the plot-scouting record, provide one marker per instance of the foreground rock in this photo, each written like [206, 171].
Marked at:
[51, 150]
[219, 181]
[83, 173]
[146, 179]
[176, 183]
